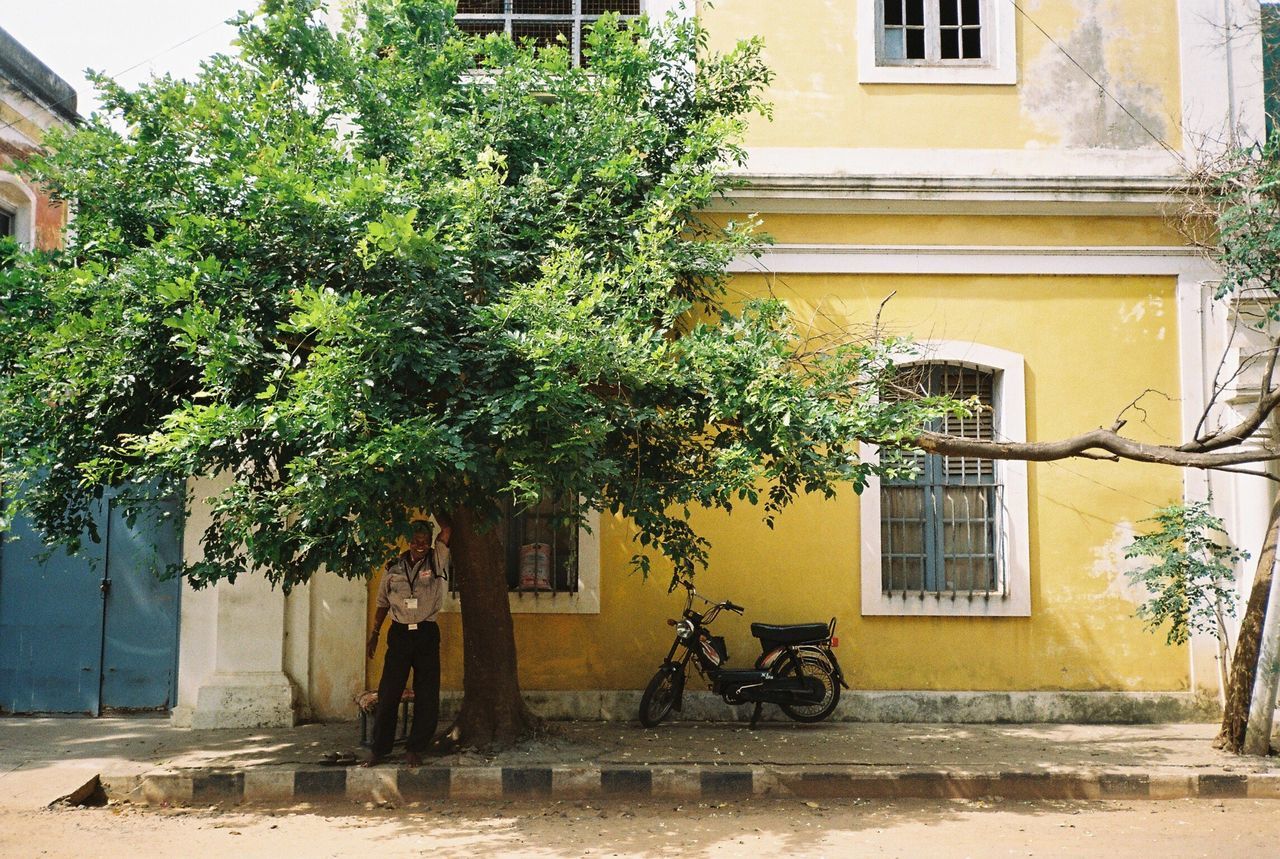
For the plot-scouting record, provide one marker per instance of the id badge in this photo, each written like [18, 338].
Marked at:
[411, 603]
[413, 626]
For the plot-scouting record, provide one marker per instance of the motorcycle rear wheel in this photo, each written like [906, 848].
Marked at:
[817, 669]
[658, 698]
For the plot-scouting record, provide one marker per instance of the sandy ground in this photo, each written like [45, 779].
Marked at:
[1221, 829]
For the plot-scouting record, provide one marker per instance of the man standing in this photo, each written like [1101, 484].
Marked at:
[412, 591]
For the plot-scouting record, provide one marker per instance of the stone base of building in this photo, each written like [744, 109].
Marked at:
[242, 700]
[900, 706]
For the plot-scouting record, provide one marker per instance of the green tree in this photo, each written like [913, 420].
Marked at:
[384, 265]
[1189, 574]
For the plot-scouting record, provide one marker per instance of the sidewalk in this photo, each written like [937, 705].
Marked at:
[147, 760]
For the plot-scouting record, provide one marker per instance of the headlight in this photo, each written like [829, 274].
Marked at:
[684, 629]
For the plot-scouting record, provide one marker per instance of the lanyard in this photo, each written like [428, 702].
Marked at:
[417, 571]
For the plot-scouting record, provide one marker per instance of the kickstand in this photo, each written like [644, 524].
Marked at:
[755, 715]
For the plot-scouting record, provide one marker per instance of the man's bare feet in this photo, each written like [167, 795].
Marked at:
[413, 759]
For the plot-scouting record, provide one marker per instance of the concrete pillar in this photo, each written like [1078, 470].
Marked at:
[231, 660]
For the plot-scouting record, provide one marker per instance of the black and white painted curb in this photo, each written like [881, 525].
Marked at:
[389, 784]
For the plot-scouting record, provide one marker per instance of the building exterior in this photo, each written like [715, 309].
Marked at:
[994, 181]
[96, 631]
[32, 99]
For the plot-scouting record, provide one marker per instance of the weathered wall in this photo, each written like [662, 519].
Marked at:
[1091, 344]
[1131, 46]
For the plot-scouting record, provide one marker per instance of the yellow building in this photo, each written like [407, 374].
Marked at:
[992, 180]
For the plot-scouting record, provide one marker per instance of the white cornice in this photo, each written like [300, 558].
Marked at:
[1077, 260]
[956, 181]
[964, 195]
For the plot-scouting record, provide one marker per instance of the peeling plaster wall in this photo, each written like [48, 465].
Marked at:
[1130, 46]
[1111, 41]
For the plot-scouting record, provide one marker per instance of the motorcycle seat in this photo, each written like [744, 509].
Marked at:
[797, 633]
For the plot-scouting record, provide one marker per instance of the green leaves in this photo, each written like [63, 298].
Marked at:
[1189, 572]
[356, 271]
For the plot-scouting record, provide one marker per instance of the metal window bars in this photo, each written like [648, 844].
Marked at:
[545, 22]
[941, 532]
[542, 550]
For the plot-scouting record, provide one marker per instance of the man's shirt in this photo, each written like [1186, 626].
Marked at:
[411, 590]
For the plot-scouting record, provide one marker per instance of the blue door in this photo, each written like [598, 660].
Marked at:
[50, 626]
[140, 630]
[93, 631]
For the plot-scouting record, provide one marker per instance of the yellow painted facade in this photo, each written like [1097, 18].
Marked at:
[1091, 341]
[819, 102]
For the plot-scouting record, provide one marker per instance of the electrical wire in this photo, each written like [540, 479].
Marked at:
[1099, 84]
[173, 47]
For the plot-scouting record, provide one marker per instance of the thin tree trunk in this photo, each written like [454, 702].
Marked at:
[1262, 707]
[493, 711]
[1244, 667]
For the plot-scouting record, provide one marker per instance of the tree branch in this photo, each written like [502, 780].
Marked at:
[1088, 445]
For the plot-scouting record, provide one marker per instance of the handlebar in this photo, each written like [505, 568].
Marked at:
[727, 605]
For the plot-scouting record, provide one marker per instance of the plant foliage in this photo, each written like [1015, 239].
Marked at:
[359, 269]
[1190, 574]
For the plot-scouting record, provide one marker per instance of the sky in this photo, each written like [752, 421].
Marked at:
[114, 35]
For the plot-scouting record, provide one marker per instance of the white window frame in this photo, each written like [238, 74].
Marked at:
[1010, 425]
[19, 200]
[586, 600]
[998, 66]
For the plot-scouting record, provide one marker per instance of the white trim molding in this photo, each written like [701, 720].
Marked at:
[1077, 260]
[1010, 425]
[587, 598]
[999, 41]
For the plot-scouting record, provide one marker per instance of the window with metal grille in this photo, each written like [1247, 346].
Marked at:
[930, 32]
[542, 549]
[544, 22]
[940, 531]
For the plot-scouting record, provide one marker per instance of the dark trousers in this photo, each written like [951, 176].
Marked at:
[416, 650]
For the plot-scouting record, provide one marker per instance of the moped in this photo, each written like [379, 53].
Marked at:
[797, 668]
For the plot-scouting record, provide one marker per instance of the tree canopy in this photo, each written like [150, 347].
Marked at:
[386, 265]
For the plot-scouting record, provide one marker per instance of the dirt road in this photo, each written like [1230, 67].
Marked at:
[1168, 829]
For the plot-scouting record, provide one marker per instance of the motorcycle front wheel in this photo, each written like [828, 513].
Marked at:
[813, 669]
[659, 697]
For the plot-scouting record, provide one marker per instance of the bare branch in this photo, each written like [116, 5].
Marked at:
[1086, 445]
[1252, 473]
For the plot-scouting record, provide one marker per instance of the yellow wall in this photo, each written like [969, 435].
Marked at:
[1130, 45]
[1091, 345]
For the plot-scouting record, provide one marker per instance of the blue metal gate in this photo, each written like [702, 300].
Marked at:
[93, 631]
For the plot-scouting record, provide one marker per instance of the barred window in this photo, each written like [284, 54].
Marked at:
[940, 531]
[930, 32]
[544, 22]
[542, 549]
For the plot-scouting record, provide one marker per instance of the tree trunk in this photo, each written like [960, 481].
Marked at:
[1244, 667]
[1262, 708]
[493, 711]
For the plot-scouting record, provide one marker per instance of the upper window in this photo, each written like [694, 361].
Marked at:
[544, 22]
[931, 31]
[936, 41]
[953, 538]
